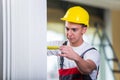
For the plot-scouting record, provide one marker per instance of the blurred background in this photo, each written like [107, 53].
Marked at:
[103, 33]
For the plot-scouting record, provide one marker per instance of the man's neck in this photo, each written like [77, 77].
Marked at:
[77, 44]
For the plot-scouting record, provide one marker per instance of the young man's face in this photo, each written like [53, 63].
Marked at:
[74, 33]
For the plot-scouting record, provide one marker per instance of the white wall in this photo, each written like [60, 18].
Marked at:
[1, 42]
[24, 39]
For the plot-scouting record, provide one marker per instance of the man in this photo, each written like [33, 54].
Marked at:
[78, 60]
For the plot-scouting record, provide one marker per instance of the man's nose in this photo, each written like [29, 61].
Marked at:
[69, 32]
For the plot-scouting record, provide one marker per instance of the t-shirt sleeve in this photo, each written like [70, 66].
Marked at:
[94, 56]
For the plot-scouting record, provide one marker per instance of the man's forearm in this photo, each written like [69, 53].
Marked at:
[84, 66]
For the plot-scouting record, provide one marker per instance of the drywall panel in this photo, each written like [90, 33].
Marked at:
[1, 42]
[25, 39]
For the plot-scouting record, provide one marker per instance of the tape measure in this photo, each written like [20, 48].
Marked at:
[52, 47]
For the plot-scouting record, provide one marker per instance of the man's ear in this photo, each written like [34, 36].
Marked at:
[84, 30]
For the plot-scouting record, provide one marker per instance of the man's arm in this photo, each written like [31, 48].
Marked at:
[84, 66]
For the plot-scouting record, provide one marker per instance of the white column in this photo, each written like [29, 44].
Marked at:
[24, 39]
[1, 42]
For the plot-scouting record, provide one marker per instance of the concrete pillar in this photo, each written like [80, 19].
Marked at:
[115, 14]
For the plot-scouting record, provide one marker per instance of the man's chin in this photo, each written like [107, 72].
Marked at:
[71, 41]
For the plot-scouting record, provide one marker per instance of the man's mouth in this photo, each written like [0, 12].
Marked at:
[70, 38]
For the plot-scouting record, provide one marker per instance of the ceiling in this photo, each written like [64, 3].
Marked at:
[106, 4]
[61, 6]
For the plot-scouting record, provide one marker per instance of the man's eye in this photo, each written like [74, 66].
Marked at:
[67, 29]
[74, 29]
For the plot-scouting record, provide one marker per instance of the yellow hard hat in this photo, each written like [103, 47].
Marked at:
[77, 14]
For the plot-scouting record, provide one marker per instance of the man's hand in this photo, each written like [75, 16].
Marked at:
[68, 52]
